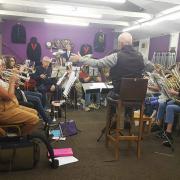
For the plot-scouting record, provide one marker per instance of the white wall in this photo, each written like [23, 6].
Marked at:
[174, 40]
[144, 47]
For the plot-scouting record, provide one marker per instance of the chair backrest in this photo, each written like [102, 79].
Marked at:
[133, 89]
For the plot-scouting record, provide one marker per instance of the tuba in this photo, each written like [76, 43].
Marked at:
[172, 81]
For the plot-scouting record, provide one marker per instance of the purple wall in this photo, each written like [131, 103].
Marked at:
[47, 32]
[160, 44]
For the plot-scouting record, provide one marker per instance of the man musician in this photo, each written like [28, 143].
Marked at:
[44, 81]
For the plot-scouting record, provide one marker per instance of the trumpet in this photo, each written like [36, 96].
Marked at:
[8, 73]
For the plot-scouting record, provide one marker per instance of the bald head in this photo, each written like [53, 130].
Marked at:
[124, 39]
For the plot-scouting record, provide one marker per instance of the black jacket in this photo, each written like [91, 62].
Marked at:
[41, 70]
[18, 34]
[34, 52]
[130, 64]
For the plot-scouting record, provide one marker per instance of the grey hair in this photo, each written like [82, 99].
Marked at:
[125, 38]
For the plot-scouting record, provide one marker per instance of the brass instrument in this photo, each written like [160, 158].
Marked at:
[171, 80]
[6, 74]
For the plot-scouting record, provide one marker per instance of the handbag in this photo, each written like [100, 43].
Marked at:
[69, 128]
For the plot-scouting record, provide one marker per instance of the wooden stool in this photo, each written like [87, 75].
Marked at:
[127, 98]
[145, 119]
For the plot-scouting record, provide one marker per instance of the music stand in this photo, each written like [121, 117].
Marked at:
[68, 86]
[93, 72]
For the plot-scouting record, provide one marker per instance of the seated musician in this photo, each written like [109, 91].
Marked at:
[168, 109]
[43, 78]
[84, 77]
[10, 62]
[32, 98]
[10, 110]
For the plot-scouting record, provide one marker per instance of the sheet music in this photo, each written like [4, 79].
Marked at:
[96, 85]
[93, 71]
[69, 84]
[61, 79]
[76, 70]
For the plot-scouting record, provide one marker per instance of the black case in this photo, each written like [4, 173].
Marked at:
[21, 153]
[18, 154]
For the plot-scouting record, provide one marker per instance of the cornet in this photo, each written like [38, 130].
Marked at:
[7, 74]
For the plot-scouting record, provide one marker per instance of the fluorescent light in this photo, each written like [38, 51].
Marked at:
[170, 10]
[131, 28]
[169, 17]
[144, 19]
[63, 21]
[74, 12]
[68, 10]
[173, 16]
[111, 1]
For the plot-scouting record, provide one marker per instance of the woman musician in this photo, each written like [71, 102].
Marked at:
[168, 109]
[28, 98]
[10, 110]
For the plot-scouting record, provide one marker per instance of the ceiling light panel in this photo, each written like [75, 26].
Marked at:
[73, 11]
[69, 22]
[111, 1]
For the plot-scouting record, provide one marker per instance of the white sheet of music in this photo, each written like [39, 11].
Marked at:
[96, 85]
[93, 71]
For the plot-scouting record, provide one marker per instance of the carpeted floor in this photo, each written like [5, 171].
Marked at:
[96, 162]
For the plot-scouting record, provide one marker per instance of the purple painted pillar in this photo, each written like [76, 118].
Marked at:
[159, 44]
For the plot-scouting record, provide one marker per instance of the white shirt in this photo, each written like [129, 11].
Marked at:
[4, 84]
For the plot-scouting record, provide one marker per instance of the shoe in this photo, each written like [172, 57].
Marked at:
[87, 109]
[155, 128]
[96, 106]
[168, 140]
[114, 98]
[91, 106]
[160, 135]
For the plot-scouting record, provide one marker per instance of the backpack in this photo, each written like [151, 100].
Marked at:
[99, 42]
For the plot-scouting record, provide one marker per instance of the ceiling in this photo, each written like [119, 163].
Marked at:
[114, 15]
